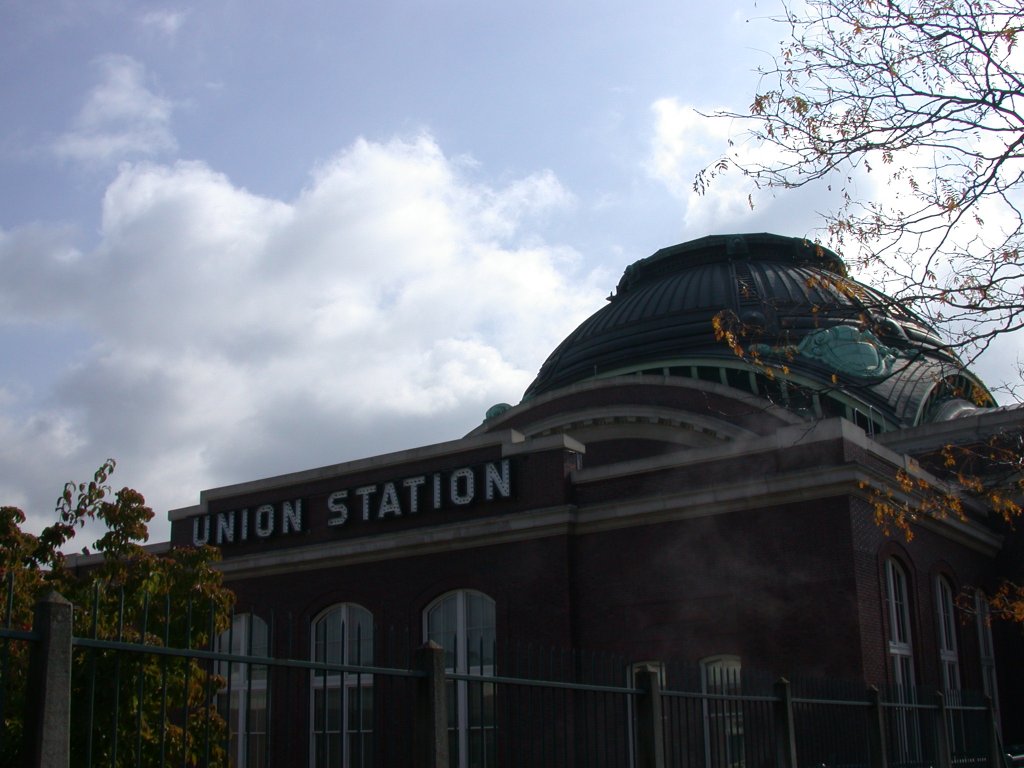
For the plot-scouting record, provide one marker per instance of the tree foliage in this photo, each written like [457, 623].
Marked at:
[143, 708]
[987, 474]
[927, 98]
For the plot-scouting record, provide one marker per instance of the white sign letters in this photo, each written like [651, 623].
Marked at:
[458, 488]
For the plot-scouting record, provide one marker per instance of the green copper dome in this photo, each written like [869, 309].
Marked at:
[828, 336]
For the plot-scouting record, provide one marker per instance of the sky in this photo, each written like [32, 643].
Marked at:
[239, 239]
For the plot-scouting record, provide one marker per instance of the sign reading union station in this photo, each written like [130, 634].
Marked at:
[364, 504]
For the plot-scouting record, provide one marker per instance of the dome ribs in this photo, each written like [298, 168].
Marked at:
[783, 290]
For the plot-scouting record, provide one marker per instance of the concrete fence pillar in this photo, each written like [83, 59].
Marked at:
[785, 732]
[943, 753]
[48, 717]
[877, 752]
[650, 737]
[430, 732]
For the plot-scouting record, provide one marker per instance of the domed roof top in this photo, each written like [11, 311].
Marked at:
[794, 309]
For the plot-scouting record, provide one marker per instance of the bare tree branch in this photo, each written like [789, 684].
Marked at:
[927, 97]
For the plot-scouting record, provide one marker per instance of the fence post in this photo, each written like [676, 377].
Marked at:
[785, 734]
[996, 756]
[650, 741]
[942, 751]
[876, 730]
[48, 718]
[430, 727]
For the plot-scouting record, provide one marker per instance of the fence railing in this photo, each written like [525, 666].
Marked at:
[136, 703]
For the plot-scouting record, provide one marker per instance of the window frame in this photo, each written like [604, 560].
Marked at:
[900, 634]
[901, 656]
[323, 683]
[244, 683]
[458, 661]
[945, 614]
[986, 652]
[721, 675]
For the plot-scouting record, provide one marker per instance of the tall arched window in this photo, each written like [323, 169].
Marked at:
[900, 651]
[463, 624]
[341, 706]
[723, 717]
[986, 650]
[243, 700]
[948, 656]
[901, 655]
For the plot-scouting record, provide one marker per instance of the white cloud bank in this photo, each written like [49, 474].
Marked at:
[237, 336]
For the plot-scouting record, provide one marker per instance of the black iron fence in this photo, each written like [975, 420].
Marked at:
[137, 700]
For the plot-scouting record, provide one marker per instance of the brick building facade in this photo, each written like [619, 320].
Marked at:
[658, 497]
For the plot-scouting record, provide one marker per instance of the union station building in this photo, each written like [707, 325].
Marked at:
[656, 495]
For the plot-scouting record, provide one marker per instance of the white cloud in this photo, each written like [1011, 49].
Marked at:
[685, 141]
[164, 21]
[391, 302]
[121, 117]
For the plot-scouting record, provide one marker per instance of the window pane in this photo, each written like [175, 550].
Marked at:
[344, 635]
[948, 657]
[479, 631]
[477, 611]
[360, 749]
[899, 609]
[441, 628]
[257, 720]
[481, 704]
[260, 637]
[328, 749]
[256, 751]
[903, 675]
[360, 641]
[360, 708]
[327, 702]
[481, 749]
[329, 634]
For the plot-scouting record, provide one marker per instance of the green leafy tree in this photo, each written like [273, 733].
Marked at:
[127, 708]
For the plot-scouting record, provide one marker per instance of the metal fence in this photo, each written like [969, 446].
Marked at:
[136, 700]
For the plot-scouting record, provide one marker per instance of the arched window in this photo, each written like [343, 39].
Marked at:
[242, 701]
[986, 650]
[341, 706]
[723, 716]
[900, 650]
[906, 743]
[948, 656]
[463, 624]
